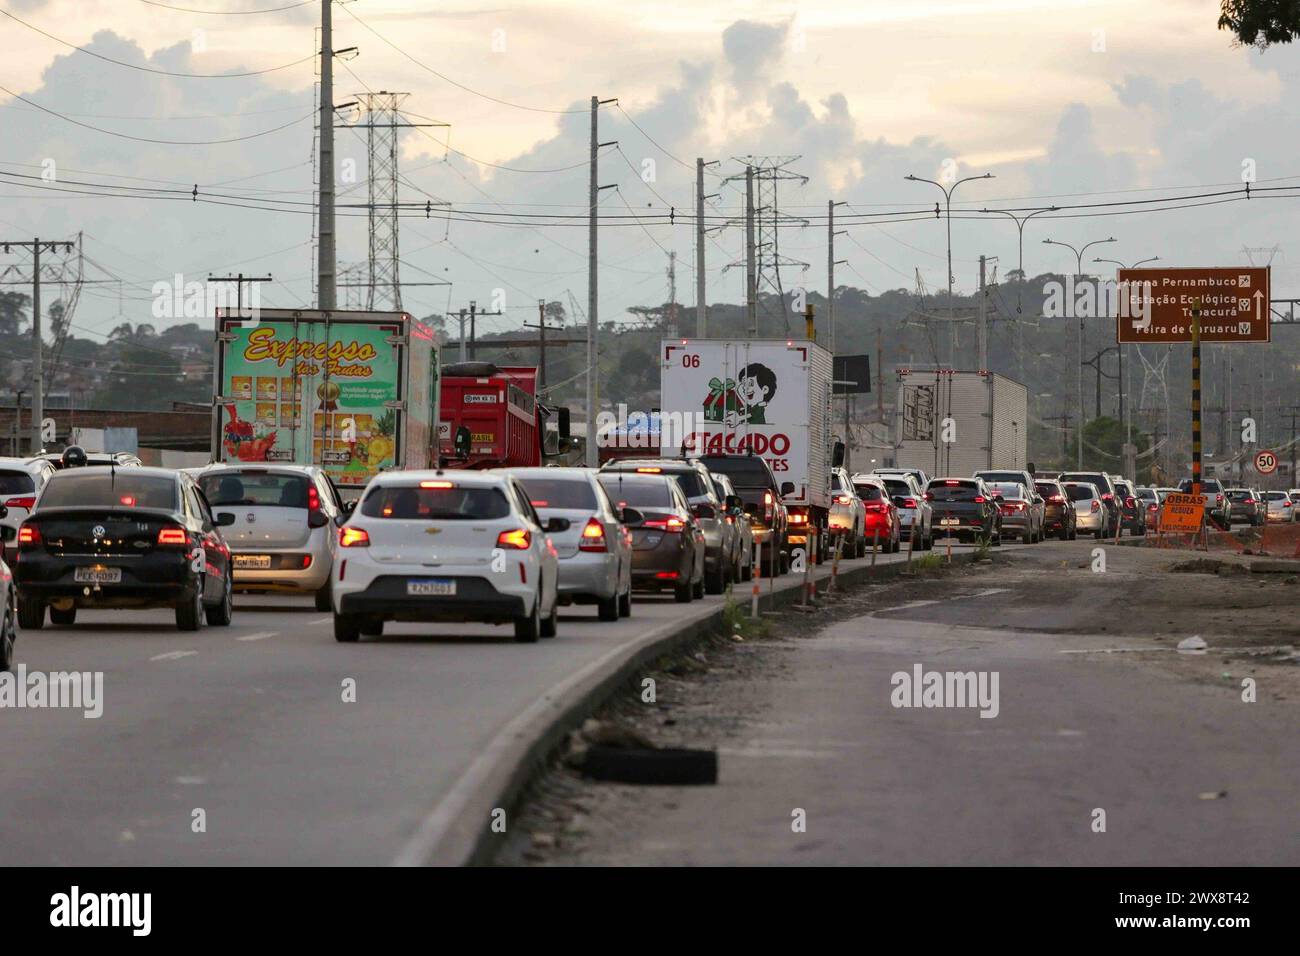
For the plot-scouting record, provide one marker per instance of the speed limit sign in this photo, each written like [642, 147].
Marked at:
[1265, 462]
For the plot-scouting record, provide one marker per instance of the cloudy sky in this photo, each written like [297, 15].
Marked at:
[1064, 101]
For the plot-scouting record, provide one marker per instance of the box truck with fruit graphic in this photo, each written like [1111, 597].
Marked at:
[770, 398]
[353, 392]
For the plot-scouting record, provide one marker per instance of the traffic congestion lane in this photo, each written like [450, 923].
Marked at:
[249, 725]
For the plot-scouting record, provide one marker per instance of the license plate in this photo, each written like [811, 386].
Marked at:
[949, 521]
[260, 562]
[97, 575]
[440, 587]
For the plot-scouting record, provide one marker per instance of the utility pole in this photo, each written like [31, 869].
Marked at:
[463, 356]
[38, 353]
[830, 268]
[325, 278]
[593, 367]
[672, 295]
[701, 310]
[751, 276]
[541, 346]
[880, 377]
[982, 330]
[240, 280]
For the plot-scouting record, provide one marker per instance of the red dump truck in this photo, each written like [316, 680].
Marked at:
[491, 418]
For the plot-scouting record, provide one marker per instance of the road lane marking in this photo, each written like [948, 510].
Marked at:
[985, 593]
[259, 636]
[173, 655]
[905, 607]
[320, 620]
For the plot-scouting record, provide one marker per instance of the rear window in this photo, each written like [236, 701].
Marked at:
[868, 492]
[1092, 478]
[745, 472]
[1146, 494]
[1207, 484]
[958, 491]
[1001, 476]
[640, 493]
[1239, 495]
[415, 503]
[16, 483]
[1007, 489]
[896, 486]
[560, 493]
[109, 489]
[1046, 489]
[1078, 492]
[1276, 495]
[253, 488]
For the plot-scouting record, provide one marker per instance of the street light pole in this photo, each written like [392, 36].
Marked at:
[1125, 413]
[1078, 255]
[947, 207]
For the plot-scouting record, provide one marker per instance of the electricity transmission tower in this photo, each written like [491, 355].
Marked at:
[764, 221]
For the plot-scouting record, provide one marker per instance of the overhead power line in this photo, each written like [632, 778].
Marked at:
[228, 13]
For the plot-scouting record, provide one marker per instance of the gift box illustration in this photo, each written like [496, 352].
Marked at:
[721, 399]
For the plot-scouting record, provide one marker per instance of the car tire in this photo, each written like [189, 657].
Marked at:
[714, 582]
[220, 615]
[1065, 533]
[347, 628]
[607, 608]
[8, 635]
[31, 614]
[528, 630]
[323, 598]
[1140, 532]
[1098, 535]
[550, 625]
[372, 626]
[625, 603]
[700, 590]
[189, 613]
[63, 618]
[683, 591]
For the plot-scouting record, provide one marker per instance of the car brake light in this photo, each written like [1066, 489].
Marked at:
[979, 499]
[649, 471]
[666, 575]
[436, 484]
[928, 496]
[128, 500]
[1056, 500]
[306, 561]
[29, 536]
[353, 537]
[952, 482]
[543, 503]
[909, 502]
[313, 498]
[27, 503]
[843, 499]
[674, 525]
[173, 536]
[1129, 502]
[1096, 505]
[593, 537]
[519, 539]
[1107, 496]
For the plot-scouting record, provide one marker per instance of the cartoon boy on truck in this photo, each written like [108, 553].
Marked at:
[755, 387]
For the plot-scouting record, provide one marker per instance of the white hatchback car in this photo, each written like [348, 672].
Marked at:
[446, 546]
[21, 481]
[282, 538]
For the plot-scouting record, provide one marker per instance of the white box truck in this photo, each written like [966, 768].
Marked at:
[353, 392]
[953, 423]
[768, 397]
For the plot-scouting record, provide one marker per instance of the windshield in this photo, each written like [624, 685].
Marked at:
[103, 488]
[253, 488]
[16, 483]
[570, 493]
[415, 503]
[638, 492]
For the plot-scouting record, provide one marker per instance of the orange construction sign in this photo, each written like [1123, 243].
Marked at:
[1182, 514]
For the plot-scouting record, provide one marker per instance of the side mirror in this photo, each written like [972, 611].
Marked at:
[787, 487]
[3, 556]
[341, 519]
[630, 516]
[899, 501]
[4, 511]
[462, 442]
[225, 519]
[556, 525]
[998, 497]
[734, 502]
[837, 455]
[317, 519]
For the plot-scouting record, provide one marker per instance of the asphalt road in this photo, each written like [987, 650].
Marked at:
[248, 724]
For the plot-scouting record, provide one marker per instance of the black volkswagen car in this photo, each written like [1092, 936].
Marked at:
[966, 509]
[122, 538]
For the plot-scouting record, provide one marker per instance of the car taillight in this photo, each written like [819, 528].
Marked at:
[1218, 498]
[520, 539]
[873, 507]
[173, 536]
[27, 503]
[929, 496]
[353, 537]
[1096, 505]
[306, 561]
[769, 508]
[29, 536]
[313, 498]
[593, 537]
[705, 511]
[979, 499]
[674, 525]
[1056, 500]
[798, 519]
[909, 502]
[1129, 503]
[1107, 496]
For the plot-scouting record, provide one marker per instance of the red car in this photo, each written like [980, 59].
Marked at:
[882, 522]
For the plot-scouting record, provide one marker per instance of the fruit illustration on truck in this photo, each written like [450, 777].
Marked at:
[353, 392]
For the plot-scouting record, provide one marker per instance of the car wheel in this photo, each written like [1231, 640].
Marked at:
[699, 590]
[189, 613]
[714, 582]
[528, 630]
[8, 634]
[551, 623]
[607, 608]
[1098, 535]
[1140, 532]
[323, 599]
[1027, 538]
[625, 603]
[220, 615]
[31, 614]
[683, 591]
[347, 628]
[64, 618]
[372, 626]
[1065, 533]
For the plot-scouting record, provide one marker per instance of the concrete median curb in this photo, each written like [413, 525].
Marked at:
[457, 830]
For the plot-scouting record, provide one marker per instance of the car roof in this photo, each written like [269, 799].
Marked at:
[258, 466]
[134, 471]
[631, 464]
[461, 476]
[572, 472]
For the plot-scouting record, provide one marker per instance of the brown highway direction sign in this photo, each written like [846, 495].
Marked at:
[1156, 304]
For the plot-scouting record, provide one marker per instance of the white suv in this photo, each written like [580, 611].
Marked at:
[445, 546]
